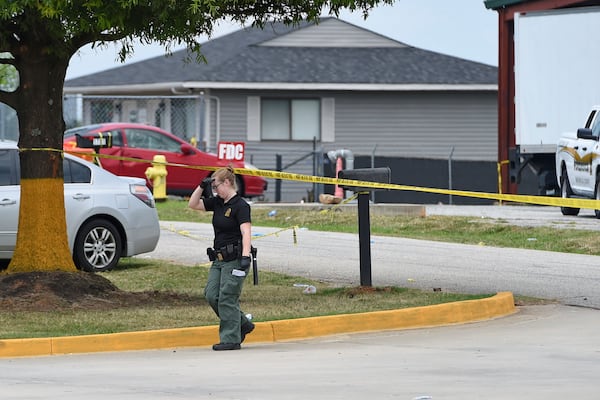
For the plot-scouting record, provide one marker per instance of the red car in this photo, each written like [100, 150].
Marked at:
[143, 142]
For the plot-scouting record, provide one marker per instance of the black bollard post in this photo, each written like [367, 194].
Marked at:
[379, 175]
[364, 235]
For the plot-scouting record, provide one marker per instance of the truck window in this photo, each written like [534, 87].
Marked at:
[590, 119]
[596, 128]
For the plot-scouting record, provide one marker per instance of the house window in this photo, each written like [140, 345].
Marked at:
[290, 119]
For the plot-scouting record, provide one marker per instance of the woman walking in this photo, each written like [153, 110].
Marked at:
[230, 255]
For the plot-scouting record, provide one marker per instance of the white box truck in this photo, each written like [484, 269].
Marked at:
[557, 80]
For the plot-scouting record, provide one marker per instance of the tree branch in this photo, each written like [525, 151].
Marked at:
[7, 61]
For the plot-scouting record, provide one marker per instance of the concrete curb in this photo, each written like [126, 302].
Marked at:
[409, 318]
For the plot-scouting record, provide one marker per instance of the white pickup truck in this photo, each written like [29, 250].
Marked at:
[578, 162]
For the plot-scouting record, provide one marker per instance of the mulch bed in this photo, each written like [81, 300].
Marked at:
[57, 290]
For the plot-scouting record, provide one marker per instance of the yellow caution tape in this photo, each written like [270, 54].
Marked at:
[293, 228]
[203, 238]
[185, 233]
[541, 200]
[527, 199]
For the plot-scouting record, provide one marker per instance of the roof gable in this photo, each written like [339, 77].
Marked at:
[332, 32]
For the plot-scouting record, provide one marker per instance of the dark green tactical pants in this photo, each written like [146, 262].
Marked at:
[222, 292]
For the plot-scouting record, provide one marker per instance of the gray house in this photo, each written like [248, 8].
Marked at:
[292, 94]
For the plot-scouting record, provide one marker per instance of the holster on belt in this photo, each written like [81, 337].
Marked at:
[230, 252]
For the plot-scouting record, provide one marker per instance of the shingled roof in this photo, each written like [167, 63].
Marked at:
[254, 56]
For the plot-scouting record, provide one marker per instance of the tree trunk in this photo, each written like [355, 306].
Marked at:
[42, 236]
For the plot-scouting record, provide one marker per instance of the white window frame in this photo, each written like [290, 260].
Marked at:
[253, 119]
[292, 115]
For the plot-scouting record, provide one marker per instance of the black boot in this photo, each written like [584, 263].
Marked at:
[226, 346]
[246, 329]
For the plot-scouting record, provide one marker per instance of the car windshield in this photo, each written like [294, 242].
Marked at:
[147, 139]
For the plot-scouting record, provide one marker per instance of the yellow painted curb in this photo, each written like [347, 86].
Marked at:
[441, 314]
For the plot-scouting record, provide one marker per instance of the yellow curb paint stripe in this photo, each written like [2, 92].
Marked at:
[25, 347]
[417, 317]
[155, 339]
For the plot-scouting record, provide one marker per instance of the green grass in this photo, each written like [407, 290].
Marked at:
[273, 299]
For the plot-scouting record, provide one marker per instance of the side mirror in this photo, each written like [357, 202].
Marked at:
[187, 149]
[585, 133]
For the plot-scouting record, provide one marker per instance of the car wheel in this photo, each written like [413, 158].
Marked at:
[97, 246]
[566, 192]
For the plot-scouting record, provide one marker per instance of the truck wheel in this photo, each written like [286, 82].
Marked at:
[597, 193]
[565, 193]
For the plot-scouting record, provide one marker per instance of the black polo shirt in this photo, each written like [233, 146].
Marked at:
[227, 218]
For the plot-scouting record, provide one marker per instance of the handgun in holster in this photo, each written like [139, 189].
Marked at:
[212, 254]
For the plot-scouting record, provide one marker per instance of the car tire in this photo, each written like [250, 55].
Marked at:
[98, 246]
[566, 192]
[597, 195]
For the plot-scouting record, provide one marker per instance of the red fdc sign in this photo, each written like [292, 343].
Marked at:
[232, 151]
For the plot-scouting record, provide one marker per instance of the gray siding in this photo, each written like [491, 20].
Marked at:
[402, 125]
[419, 124]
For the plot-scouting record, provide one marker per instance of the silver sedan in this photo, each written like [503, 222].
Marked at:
[108, 217]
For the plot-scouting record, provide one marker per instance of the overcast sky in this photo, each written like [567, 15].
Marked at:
[461, 28]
